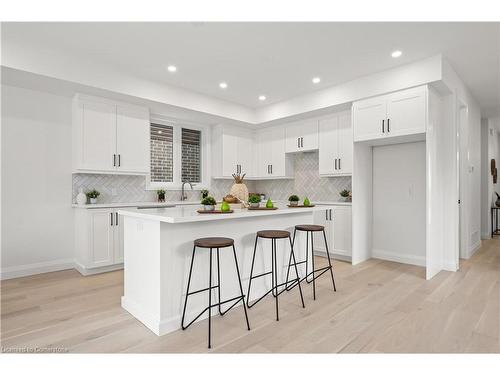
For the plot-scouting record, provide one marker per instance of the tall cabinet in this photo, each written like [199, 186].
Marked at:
[232, 151]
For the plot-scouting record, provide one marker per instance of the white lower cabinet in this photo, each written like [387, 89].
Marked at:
[338, 230]
[98, 240]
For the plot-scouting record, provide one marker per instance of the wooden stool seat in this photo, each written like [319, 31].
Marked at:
[310, 227]
[273, 234]
[213, 242]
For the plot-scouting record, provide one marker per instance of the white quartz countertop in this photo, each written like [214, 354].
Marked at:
[179, 203]
[187, 214]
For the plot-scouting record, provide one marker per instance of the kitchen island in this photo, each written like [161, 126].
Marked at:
[158, 244]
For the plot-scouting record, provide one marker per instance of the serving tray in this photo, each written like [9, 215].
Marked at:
[215, 212]
[300, 206]
[262, 208]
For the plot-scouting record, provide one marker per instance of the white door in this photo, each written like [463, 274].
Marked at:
[101, 238]
[342, 236]
[264, 149]
[132, 142]
[245, 153]
[278, 157]
[309, 135]
[406, 112]
[292, 143]
[97, 136]
[344, 144]
[369, 119]
[118, 238]
[229, 152]
[328, 145]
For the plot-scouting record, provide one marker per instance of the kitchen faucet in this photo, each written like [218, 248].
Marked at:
[183, 195]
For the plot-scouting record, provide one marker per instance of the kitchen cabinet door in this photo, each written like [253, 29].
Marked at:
[229, 152]
[328, 145]
[292, 137]
[344, 132]
[406, 112]
[278, 156]
[309, 135]
[96, 138]
[369, 118]
[101, 238]
[342, 228]
[265, 153]
[245, 151]
[132, 140]
[118, 239]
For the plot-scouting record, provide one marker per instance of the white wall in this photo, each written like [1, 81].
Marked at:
[491, 139]
[37, 218]
[399, 202]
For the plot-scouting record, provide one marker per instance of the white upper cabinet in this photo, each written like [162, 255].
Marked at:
[109, 137]
[132, 139]
[398, 114]
[233, 150]
[272, 161]
[335, 145]
[302, 136]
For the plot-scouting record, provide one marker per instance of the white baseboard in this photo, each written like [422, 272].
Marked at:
[36, 268]
[159, 327]
[94, 271]
[322, 253]
[400, 258]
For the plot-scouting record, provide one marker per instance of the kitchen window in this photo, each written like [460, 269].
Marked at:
[178, 152]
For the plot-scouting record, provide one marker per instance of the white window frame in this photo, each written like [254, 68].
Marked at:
[177, 125]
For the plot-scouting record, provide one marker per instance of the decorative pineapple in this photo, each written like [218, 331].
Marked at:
[239, 189]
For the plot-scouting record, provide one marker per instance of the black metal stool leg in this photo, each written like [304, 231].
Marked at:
[241, 287]
[296, 271]
[329, 261]
[275, 276]
[210, 302]
[187, 291]
[251, 271]
[218, 283]
[313, 267]
[292, 243]
[307, 257]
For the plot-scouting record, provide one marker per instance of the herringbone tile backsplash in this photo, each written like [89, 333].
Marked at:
[306, 183]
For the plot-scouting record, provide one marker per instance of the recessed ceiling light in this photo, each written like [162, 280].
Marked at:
[316, 80]
[396, 53]
[262, 98]
[172, 68]
[223, 85]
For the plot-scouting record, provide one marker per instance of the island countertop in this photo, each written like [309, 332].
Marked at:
[187, 214]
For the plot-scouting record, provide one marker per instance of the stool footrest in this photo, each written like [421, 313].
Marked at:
[236, 299]
[203, 290]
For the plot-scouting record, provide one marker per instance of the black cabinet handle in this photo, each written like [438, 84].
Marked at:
[111, 215]
[335, 164]
[298, 142]
[271, 169]
[383, 128]
[119, 160]
[388, 125]
[114, 160]
[302, 142]
[339, 164]
[116, 218]
[326, 214]
[330, 214]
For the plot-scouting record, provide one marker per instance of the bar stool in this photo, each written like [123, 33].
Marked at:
[273, 235]
[214, 243]
[310, 228]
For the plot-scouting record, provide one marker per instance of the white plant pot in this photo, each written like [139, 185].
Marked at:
[93, 200]
[254, 205]
[293, 203]
[209, 207]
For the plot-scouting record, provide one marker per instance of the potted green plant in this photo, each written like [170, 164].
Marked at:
[161, 195]
[254, 201]
[204, 193]
[346, 195]
[92, 195]
[293, 200]
[208, 203]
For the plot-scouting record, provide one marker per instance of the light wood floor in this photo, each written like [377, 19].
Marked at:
[379, 307]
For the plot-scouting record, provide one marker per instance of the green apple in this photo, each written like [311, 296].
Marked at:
[269, 203]
[225, 207]
[307, 202]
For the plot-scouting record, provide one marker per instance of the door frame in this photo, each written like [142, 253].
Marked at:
[462, 186]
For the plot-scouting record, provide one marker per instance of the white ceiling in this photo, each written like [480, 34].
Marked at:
[274, 59]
